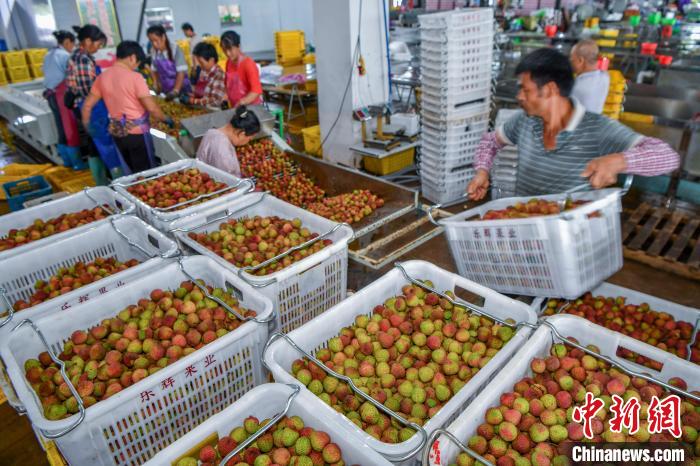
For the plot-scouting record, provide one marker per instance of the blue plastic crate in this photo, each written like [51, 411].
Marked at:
[20, 191]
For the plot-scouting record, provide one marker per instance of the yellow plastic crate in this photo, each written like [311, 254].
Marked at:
[36, 56]
[312, 140]
[290, 47]
[57, 176]
[13, 59]
[613, 116]
[609, 56]
[310, 59]
[616, 77]
[311, 86]
[53, 456]
[19, 74]
[630, 44]
[36, 71]
[3, 78]
[390, 164]
[75, 185]
[612, 108]
[614, 98]
[606, 42]
[636, 117]
[25, 169]
[609, 32]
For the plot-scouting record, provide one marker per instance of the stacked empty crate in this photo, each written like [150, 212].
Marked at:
[505, 167]
[456, 56]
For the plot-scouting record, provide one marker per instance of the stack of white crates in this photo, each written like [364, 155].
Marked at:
[456, 56]
[505, 168]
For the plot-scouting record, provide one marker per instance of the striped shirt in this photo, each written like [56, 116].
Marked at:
[586, 137]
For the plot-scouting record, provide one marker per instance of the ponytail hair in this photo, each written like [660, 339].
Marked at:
[245, 120]
[159, 30]
[61, 36]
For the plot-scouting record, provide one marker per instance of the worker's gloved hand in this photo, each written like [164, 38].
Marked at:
[603, 171]
[169, 122]
[170, 96]
[185, 99]
[478, 186]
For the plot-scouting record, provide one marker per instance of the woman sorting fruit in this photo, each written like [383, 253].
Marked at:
[54, 67]
[560, 144]
[243, 85]
[81, 74]
[218, 147]
[130, 104]
[168, 63]
[210, 89]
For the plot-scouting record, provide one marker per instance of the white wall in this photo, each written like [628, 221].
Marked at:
[260, 18]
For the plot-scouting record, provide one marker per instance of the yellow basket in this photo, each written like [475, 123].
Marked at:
[612, 108]
[609, 56]
[606, 42]
[616, 77]
[630, 44]
[25, 169]
[13, 59]
[53, 456]
[57, 176]
[19, 74]
[310, 59]
[36, 56]
[77, 184]
[614, 98]
[311, 86]
[636, 117]
[36, 71]
[390, 164]
[290, 47]
[609, 32]
[312, 140]
[613, 116]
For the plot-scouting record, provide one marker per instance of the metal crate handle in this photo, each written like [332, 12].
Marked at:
[220, 302]
[441, 205]
[8, 304]
[618, 364]
[295, 391]
[226, 214]
[153, 176]
[111, 210]
[425, 458]
[62, 365]
[164, 210]
[284, 254]
[172, 252]
[419, 430]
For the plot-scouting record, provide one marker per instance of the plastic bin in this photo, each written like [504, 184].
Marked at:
[649, 48]
[25, 169]
[163, 218]
[59, 175]
[36, 56]
[477, 28]
[78, 183]
[665, 60]
[312, 140]
[555, 255]
[20, 191]
[265, 402]
[290, 47]
[36, 71]
[124, 237]
[19, 74]
[87, 199]
[455, 19]
[609, 32]
[14, 59]
[299, 292]
[469, 68]
[3, 77]
[129, 428]
[314, 335]
[457, 48]
[539, 346]
[389, 164]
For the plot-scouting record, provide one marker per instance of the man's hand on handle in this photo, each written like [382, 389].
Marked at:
[478, 186]
[603, 171]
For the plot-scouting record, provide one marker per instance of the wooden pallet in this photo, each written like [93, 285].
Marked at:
[663, 238]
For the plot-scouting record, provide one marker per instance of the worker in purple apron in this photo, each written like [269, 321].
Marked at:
[168, 64]
[130, 105]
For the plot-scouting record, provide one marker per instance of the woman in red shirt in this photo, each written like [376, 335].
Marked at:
[242, 76]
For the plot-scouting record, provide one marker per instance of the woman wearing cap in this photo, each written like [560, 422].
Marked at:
[243, 85]
[218, 147]
[55, 66]
[169, 66]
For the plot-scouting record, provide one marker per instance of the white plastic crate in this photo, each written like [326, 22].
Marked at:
[314, 335]
[458, 47]
[455, 138]
[457, 105]
[124, 237]
[453, 66]
[539, 346]
[136, 423]
[440, 162]
[301, 291]
[442, 193]
[265, 402]
[556, 255]
[451, 125]
[163, 218]
[456, 19]
[476, 28]
[86, 199]
[450, 176]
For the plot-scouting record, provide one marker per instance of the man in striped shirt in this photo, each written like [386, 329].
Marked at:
[210, 89]
[560, 144]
